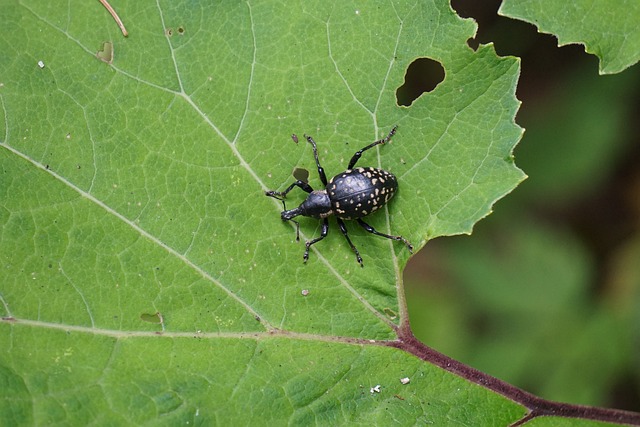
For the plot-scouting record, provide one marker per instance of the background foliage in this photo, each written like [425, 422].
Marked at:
[546, 292]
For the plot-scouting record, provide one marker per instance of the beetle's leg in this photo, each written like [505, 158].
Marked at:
[323, 177]
[356, 156]
[297, 226]
[343, 228]
[280, 195]
[323, 234]
[372, 230]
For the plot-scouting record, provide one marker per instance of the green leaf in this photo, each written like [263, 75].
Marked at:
[607, 29]
[145, 276]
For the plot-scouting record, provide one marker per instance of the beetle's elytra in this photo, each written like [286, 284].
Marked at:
[358, 192]
[350, 195]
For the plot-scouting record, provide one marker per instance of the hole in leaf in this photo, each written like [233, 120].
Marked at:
[152, 318]
[106, 53]
[301, 174]
[423, 75]
[390, 313]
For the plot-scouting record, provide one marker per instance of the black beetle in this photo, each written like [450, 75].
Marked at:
[352, 194]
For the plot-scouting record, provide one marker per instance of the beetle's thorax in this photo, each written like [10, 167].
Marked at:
[316, 205]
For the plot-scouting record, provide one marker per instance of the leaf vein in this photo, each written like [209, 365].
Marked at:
[204, 274]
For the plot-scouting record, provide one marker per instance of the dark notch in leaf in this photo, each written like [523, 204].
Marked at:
[106, 53]
[423, 75]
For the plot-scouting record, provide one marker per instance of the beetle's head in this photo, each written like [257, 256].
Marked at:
[290, 214]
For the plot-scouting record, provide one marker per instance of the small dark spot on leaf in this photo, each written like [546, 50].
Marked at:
[423, 75]
[169, 32]
[181, 30]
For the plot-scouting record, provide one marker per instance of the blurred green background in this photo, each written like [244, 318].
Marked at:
[546, 292]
